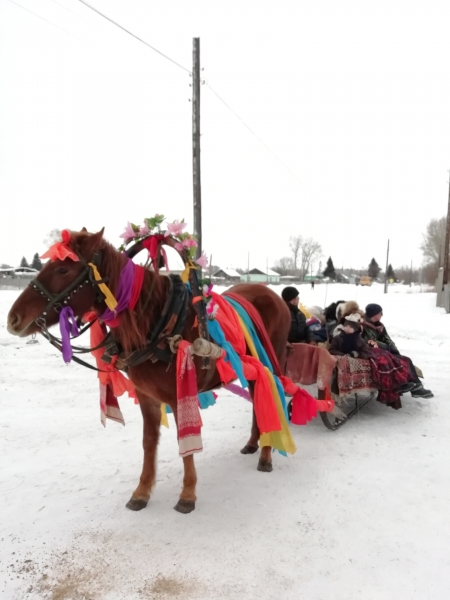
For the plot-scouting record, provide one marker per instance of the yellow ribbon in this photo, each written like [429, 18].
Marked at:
[110, 301]
[280, 440]
[164, 419]
[187, 267]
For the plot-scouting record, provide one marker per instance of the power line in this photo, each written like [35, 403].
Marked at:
[135, 36]
[39, 17]
[68, 9]
[258, 138]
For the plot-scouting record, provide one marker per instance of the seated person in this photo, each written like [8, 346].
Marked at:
[375, 331]
[318, 329]
[299, 332]
[349, 341]
[391, 374]
[331, 317]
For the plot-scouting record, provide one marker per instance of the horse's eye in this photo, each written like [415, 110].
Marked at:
[62, 271]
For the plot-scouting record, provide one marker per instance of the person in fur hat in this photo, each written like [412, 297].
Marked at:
[343, 311]
[348, 340]
[299, 332]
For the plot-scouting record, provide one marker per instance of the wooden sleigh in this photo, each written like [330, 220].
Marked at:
[345, 379]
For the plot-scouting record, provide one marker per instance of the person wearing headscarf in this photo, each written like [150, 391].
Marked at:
[375, 332]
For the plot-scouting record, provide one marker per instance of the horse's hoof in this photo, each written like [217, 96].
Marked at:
[265, 465]
[185, 506]
[247, 449]
[136, 504]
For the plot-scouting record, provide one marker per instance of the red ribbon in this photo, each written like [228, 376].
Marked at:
[152, 244]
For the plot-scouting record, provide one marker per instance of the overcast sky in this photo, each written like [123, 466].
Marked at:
[353, 96]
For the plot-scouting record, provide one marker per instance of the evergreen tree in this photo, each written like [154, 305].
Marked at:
[390, 273]
[23, 262]
[330, 270]
[36, 264]
[374, 269]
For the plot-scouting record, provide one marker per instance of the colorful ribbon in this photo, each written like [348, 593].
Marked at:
[110, 301]
[67, 326]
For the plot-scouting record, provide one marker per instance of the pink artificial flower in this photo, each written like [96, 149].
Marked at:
[175, 228]
[202, 261]
[179, 247]
[129, 232]
[190, 243]
[144, 229]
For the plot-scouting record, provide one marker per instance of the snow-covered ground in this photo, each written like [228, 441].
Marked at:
[358, 514]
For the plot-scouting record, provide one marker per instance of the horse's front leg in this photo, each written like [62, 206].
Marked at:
[151, 413]
[186, 502]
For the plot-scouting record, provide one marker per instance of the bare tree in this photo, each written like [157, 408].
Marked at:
[311, 250]
[433, 241]
[295, 245]
[284, 266]
[52, 236]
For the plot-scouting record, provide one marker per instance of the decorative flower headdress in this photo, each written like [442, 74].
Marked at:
[184, 241]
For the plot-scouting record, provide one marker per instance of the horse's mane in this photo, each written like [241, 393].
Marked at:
[134, 324]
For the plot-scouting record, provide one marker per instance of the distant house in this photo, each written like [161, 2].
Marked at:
[260, 276]
[318, 277]
[18, 272]
[227, 275]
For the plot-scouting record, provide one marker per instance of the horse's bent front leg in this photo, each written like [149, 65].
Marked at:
[151, 413]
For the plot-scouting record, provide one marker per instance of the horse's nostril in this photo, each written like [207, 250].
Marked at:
[14, 320]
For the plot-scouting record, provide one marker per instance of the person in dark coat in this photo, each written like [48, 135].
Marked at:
[299, 332]
[374, 331]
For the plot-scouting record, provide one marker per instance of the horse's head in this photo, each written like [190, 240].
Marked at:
[61, 282]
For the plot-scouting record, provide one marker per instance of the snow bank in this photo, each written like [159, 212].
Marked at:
[356, 514]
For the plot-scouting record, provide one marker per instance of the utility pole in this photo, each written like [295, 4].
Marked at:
[196, 143]
[447, 245]
[386, 272]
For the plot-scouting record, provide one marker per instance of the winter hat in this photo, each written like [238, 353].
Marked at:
[372, 310]
[354, 320]
[289, 293]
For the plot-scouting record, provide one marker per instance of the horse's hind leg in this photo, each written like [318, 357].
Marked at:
[265, 459]
[151, 413]
[252, 445]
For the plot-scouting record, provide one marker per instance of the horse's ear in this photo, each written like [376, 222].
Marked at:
[84, 230]
[90, 243]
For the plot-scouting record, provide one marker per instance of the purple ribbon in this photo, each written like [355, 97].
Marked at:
[123, 293]
[238, 390]
[67, 326]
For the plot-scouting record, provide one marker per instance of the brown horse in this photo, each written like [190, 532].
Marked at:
[153, 381]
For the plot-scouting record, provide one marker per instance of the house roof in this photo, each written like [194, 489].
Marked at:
[270, 272]
[229, 272]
